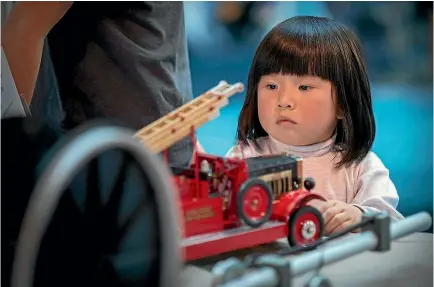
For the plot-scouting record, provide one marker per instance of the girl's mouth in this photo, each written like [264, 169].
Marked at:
[285, 121]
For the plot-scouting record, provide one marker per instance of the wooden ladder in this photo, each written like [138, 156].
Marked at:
[168, 130]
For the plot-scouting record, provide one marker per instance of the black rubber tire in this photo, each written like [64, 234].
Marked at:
[297, 214]
[100, 192]
[244, 188]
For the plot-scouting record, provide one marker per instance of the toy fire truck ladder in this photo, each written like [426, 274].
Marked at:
[163, 133]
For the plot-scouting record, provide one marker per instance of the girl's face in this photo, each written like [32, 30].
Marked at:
[297, 110]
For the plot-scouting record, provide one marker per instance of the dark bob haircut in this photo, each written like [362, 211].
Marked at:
[321, 47]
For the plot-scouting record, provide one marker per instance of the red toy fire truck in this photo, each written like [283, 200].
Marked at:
[231, 203]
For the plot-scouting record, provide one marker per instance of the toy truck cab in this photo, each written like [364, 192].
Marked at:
[280, 177]
[283, 176]
[222, 193]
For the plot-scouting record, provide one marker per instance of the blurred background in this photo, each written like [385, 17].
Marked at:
[397, 39]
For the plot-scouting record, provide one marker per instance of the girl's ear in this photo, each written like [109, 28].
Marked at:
[339, 111]
[339, 114]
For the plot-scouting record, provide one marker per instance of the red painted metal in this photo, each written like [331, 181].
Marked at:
[203, 216]
[256, 203]
[196, 162]
[300, 224]
[212, 244]
[208, 192]
[166, 156]
[291, 202]
[211, 224]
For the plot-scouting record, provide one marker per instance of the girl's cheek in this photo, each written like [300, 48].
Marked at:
[310, 110]
[267, 104]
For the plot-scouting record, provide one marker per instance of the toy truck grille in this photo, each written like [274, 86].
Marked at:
[282, 172]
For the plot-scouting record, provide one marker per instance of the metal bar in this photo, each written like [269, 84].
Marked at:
[329, 254]
[264, 277]
[414, 223]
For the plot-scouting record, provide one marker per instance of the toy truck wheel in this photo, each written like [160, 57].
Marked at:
[306, 225]
[254, 202]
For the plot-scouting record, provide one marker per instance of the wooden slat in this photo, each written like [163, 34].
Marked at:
[176, 125]
[174, 113]
[163, 133]
[164, 143]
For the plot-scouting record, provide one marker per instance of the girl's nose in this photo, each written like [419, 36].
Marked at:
[286, 101]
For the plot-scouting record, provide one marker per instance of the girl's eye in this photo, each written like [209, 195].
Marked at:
[304, 88]
[271, 86]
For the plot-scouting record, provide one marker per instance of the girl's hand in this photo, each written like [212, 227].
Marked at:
[340, 216]
[337, 215]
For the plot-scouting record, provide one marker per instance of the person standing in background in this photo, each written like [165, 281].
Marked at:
[119, 60]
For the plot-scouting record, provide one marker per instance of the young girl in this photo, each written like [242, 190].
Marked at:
[308, 95]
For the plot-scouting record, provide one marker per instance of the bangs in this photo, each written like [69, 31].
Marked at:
[299, 49]
[317, 47]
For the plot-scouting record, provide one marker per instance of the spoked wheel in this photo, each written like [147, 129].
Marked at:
[254, 202]
[306, 226]
[102, 214]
